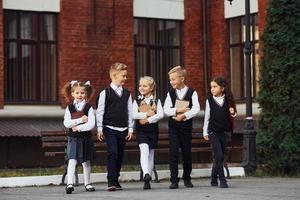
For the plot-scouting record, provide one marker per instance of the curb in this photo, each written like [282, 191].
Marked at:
[101, 177]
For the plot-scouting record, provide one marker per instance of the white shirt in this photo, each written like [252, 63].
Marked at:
[101, 108]
[143, 115]
[70, 123]
[171, 111]
[220, 101]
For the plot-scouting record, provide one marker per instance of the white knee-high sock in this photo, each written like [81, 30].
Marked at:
[151, 160]
[144, 154]
[86, 172]
[71, 171]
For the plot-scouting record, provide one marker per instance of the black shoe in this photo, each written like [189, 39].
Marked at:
[111, 187]
[188, 184]
[118, 186]
[174, 185]
[69, 189]
[223, 185]
[147, 180]
[89, 189]
[214, 184]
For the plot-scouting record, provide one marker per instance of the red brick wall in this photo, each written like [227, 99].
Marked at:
[262, 12]
[1, 58]
[219, 47]
[193, 46]
[89, 40]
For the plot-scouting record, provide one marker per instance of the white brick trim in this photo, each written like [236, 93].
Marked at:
[32, 5]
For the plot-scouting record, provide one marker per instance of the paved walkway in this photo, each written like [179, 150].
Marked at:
[240, 189]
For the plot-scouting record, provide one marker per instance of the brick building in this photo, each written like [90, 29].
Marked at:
[47, 43]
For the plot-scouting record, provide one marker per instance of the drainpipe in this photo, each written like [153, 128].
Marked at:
[205, 23]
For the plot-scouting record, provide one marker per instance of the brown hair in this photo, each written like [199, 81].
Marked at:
[227, 91]
[69, 87]
[179, 70]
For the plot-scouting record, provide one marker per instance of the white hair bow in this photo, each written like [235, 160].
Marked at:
[87, 83]
[73, 82]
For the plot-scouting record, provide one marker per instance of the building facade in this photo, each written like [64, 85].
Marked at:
[48, 43]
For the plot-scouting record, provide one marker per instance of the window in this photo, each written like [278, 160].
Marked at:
[30, 52]
[237, 57]
[157, 50]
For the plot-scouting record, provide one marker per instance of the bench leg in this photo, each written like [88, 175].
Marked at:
[76, 178]
[141, 175]
[227, 171]
[155, 175]
[65, 172]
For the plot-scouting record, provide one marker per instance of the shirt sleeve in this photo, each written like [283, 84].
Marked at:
[68, 122]
[90, 124]
[195, 110]
[135, 112]
[100, 111]
[130, 121]
[206, 118]
[159, 114]
[169, 111]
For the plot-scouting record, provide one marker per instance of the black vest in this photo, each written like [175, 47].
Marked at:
[147, 127]
[86, 109]
[116, 108]
[188, 124]
[219, 120]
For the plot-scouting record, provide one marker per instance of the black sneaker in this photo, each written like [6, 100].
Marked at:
[147, 180]
[214, 184]
[111, 187]
[223, 185]
[188, 184]
[69, 189]
[174, 185]
[118, 186]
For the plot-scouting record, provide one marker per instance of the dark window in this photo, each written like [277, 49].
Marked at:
[237, 57]
[30, 52]
[157, 50]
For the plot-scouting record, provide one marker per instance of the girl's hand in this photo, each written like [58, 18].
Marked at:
[143, 121]
[74, 129]
[232, 112]
[84, 119]
[150, 113]
[205, 137]
[129, 136]
[100, 136]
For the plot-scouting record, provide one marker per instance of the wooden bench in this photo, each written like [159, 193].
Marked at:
[55, 143]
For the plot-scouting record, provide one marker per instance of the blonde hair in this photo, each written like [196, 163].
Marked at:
[152, 84]
[180, 71]
[69, 88]
[117, 67]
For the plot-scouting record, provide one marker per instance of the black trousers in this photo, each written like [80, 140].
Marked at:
[115, 142]
[219, 144]
[180, 138]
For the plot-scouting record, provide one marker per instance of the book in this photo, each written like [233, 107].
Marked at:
[77, 115]
[144, 107]
[181, 104]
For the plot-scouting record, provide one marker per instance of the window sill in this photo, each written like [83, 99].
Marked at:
[12, 111]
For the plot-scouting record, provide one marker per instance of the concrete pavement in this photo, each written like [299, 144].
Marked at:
[240, 188]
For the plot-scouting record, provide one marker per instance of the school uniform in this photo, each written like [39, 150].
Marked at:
[180, 133]
[114, 118]
[80, 148]
[147, 135]
[216, 125]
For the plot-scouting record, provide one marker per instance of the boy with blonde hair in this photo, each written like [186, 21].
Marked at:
[114, 122]
[181, 105]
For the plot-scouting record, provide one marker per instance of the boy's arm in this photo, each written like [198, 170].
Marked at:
[130, 121]
[206, 119]
[194, 111]
[159, 114]
[90, 124]
[100, 111]
[68, 121]
[169, 111]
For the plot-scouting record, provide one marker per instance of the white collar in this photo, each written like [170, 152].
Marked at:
[219, 98]
[182, 89]
[115, 87]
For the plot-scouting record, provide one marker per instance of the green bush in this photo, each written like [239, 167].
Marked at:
[278, 138]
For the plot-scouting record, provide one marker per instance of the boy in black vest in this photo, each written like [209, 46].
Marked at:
[114, 122]
[181, 105]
